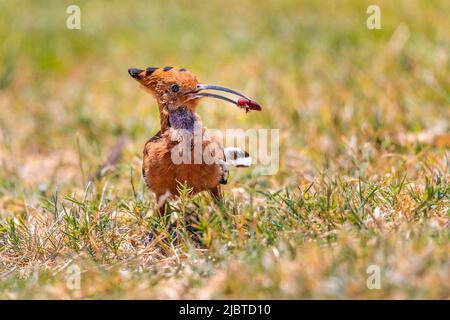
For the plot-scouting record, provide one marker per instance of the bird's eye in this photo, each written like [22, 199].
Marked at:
[175, 87]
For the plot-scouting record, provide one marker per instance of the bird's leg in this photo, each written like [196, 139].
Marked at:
[161, 210]
[160, 213]
[162, 200]
[216, 194]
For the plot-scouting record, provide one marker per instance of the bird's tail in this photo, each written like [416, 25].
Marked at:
[237, 157]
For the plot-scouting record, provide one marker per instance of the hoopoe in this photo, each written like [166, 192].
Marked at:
[177, 93]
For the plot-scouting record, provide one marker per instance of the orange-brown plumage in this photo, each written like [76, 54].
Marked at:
[177, 93]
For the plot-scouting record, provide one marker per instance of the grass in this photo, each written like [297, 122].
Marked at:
[364, 146]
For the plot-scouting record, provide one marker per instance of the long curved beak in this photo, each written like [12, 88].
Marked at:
[243, 102]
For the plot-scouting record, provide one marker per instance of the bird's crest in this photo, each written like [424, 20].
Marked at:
[174, 87]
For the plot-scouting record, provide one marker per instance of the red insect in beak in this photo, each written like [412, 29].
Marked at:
[248, 104]
[243, 102]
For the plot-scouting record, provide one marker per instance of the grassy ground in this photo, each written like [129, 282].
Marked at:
[364, 131]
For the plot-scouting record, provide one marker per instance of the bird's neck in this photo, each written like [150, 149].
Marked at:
[181, 118]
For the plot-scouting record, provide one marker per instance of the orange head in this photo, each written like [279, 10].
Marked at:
[174, 88]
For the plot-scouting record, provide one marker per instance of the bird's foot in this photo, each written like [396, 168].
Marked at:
[150, 237]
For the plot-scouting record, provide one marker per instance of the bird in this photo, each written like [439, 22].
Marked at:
[173, 156]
